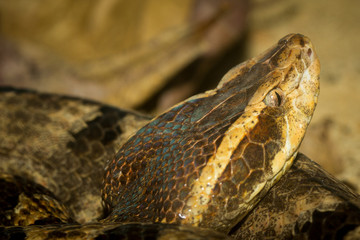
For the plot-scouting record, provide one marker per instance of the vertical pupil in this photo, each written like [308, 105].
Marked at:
[278, 98]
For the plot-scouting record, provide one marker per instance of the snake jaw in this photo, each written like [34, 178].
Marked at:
[297, 75]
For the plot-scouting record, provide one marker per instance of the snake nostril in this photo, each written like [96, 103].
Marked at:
[309, 52]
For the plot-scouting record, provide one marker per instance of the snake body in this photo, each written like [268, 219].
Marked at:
[54, 139]
[204, 163]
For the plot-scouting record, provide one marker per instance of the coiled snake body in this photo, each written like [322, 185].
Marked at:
[202, 169]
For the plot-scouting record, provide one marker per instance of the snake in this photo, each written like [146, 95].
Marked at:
[221, 164]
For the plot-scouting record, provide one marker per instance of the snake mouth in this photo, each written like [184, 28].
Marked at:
[301, 87]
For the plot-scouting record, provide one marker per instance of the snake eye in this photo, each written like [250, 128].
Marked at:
[274, 98]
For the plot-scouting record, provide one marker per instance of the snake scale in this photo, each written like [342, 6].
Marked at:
[215, 166]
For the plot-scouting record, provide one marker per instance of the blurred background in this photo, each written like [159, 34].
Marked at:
[150, 54]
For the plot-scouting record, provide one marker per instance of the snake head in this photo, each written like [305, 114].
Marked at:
[209, 159]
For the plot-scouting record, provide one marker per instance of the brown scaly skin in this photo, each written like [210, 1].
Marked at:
[62, 143]
[306, 203]
[14, 101]
[24, 203]
[208, 160]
